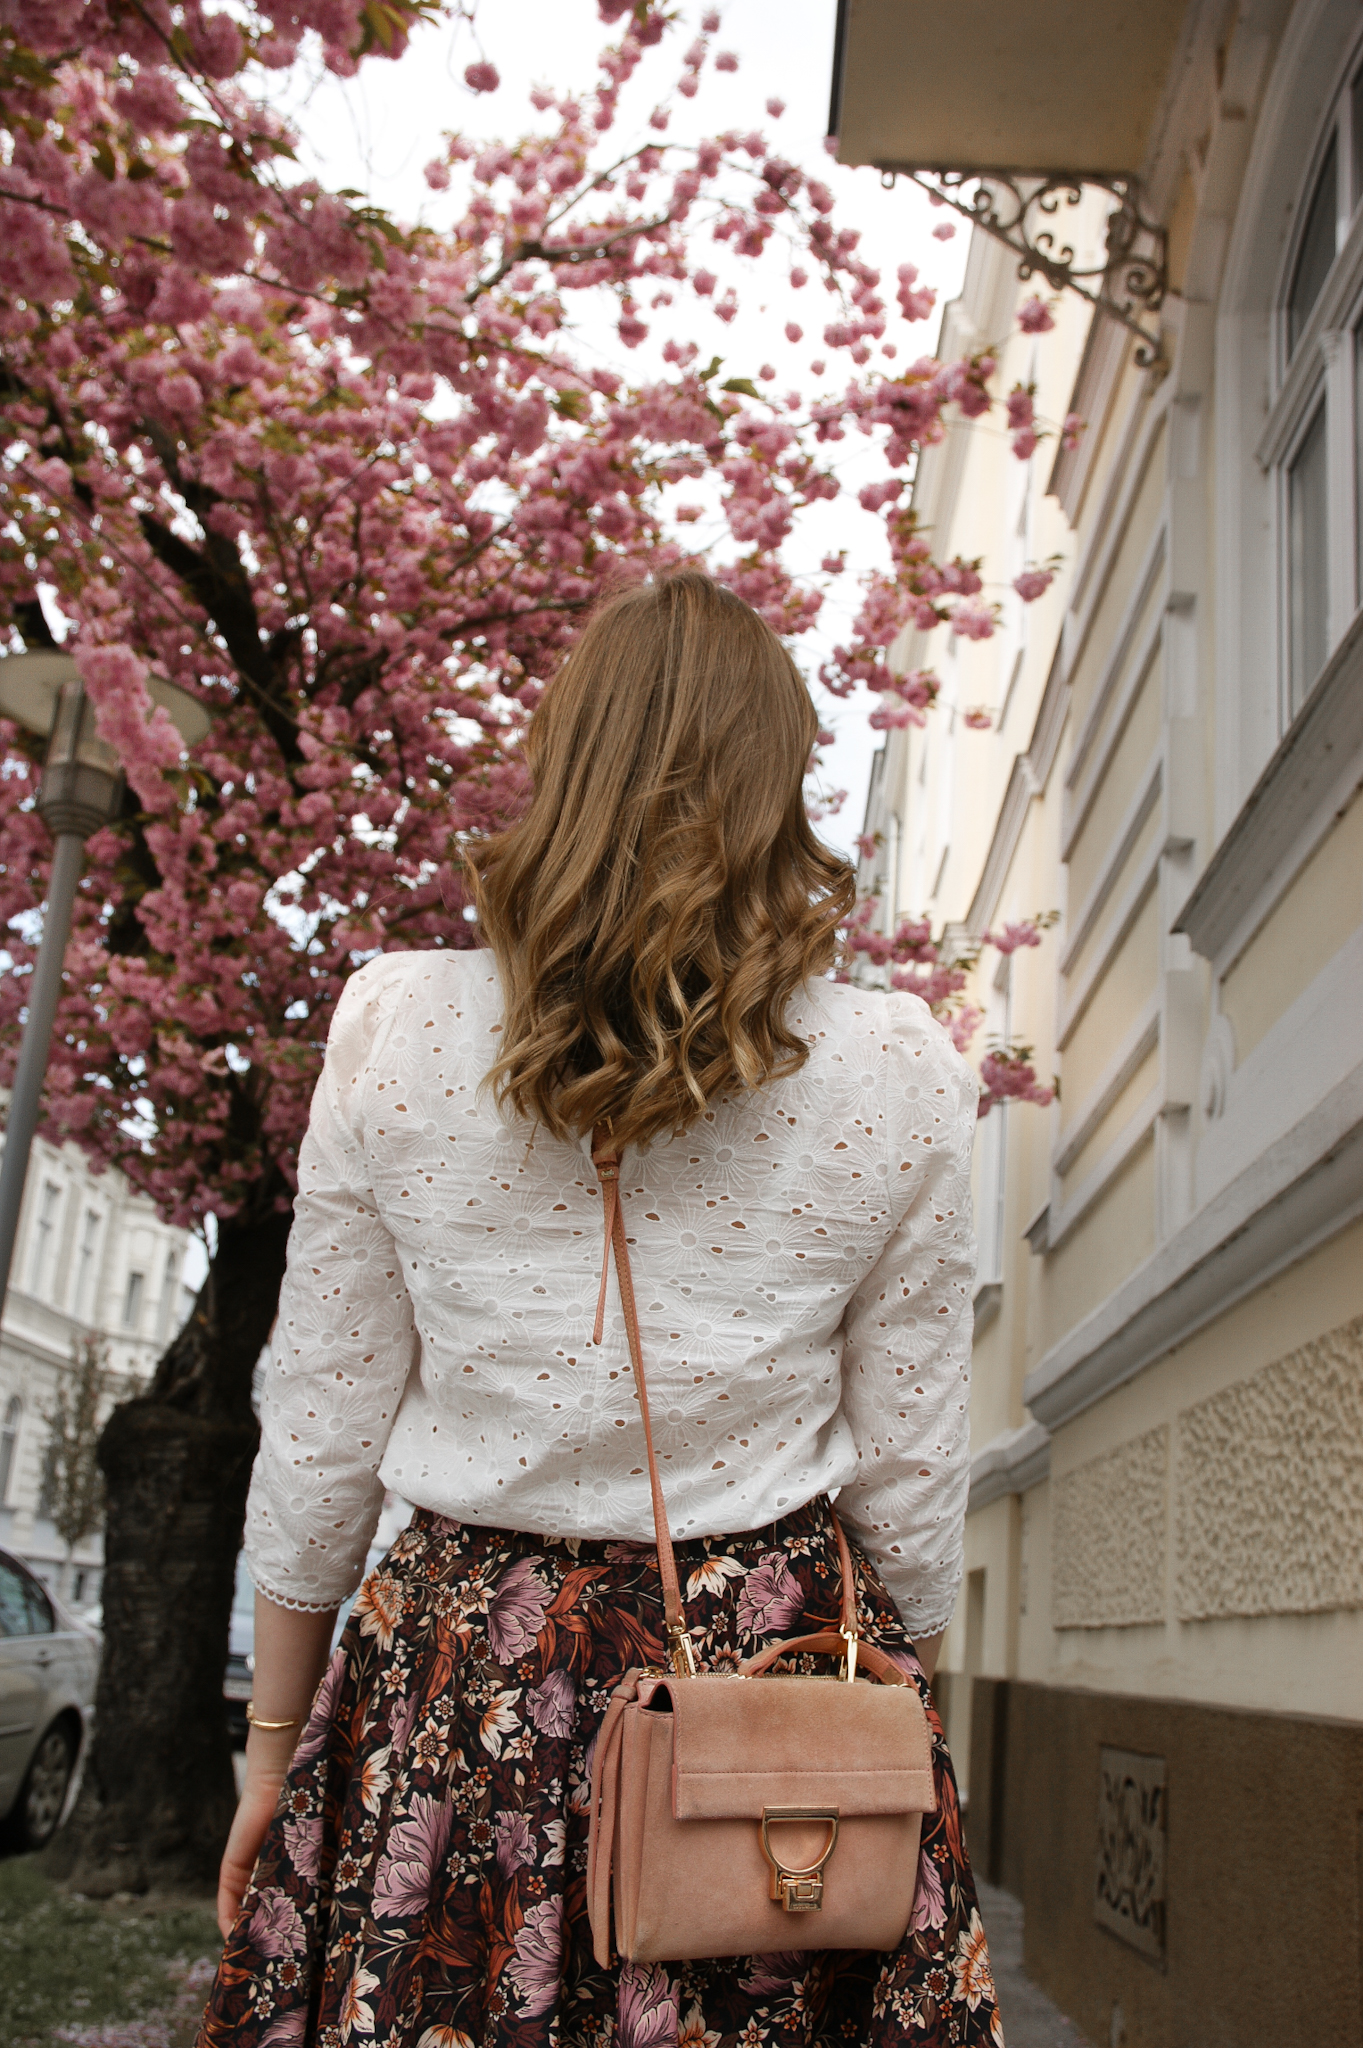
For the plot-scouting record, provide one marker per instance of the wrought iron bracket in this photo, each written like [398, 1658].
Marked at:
[1023, 211]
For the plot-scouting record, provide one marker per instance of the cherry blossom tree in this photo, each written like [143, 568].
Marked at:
[939, 974]
[352, 486]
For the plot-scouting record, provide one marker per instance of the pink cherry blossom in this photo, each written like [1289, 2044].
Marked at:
[1009, 1076]
[921, 965]
[977, 719]
[1031, 584]
[1023, 933]
[974, 620]
[265, 364]
[1034, 316]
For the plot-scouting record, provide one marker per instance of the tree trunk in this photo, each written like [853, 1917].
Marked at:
[159, 1789]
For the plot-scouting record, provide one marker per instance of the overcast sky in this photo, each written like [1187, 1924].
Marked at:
[377, 131]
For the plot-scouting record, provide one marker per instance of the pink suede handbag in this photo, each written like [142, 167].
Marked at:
[737, 1817]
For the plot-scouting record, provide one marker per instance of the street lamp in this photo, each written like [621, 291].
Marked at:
[81, 790]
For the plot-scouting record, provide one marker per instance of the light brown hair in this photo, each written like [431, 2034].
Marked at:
[663, 895]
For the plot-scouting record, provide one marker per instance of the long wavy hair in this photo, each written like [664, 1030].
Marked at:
[663, 895]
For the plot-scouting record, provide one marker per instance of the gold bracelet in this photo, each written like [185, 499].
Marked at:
[256, 1722]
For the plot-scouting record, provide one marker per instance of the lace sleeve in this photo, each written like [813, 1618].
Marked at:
[906, 1360]
[343, 1341]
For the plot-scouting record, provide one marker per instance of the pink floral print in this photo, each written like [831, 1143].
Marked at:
[772, 1598]
[423, 1883]
[517, 1612]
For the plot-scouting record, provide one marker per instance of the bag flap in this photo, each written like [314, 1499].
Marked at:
[742, 1744]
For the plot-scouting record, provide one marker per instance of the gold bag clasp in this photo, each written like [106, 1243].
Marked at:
[798, 1891]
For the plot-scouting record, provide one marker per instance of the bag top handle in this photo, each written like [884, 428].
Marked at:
[606, 1159]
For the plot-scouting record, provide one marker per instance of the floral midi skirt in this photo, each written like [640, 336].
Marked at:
[423, 1883]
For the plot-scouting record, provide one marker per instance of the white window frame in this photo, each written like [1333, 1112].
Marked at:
[47, 1216]
[10, 1430]
[1321, 365]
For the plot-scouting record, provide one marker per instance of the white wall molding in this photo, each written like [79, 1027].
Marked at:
[1299, 1191]
[1030, 774]
[1095, 385]
[1280, 1082]
[1129, 906]
[1144, 419]
[1066, 1216]
[1120, 848]
[1084, 774]
[1140, 1038]
[1009, 1463]
[1315, 771]
[987, 1303]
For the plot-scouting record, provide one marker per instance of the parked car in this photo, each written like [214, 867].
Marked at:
[241, 1663]
[48, 1667]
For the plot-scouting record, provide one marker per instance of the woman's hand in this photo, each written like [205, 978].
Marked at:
[267, 1761]
[290, 1656]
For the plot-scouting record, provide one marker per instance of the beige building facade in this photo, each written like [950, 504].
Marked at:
[91, 1259]
[1154, 1683]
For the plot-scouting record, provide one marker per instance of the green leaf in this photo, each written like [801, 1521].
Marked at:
[743, 386]
[713, 370]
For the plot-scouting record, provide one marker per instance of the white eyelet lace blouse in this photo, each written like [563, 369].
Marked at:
[803, 1260]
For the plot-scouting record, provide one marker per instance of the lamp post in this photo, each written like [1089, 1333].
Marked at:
[81, 790]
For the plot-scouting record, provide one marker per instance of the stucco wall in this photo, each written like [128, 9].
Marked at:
[1109, 1530]
[1234, 1571]
[1270, 1488]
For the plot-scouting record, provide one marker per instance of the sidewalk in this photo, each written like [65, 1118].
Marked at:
[1029, 2018]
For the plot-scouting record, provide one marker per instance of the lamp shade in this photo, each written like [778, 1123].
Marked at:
[29, 684]
[82, 783]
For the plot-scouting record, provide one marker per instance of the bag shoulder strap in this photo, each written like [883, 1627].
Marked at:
[606, 1159]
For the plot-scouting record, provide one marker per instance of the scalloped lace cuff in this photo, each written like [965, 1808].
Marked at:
[296, 1605]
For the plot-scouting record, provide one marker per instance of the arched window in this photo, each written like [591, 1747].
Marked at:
[1314, 441]
[9, 1438]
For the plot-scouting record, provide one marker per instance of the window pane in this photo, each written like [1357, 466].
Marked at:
[41, 1620]
[1317, 250]
[13, 1606]
[1308, 590]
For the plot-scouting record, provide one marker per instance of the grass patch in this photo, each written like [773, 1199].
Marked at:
[86, 1973]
